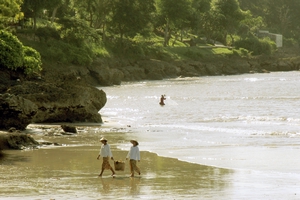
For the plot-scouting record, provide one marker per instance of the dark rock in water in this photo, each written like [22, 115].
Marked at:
[16, 111]
[12, 129]
[46, 143]
[17, 141]
[69, 129]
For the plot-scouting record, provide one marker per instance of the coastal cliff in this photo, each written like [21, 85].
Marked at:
[116, 71]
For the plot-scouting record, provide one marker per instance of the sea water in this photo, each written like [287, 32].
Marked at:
[249, 123]
[241, 132]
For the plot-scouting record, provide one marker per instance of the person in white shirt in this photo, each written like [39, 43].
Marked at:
[106, 153]
[134, 155]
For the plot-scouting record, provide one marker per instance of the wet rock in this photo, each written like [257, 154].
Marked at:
[69, 129]
[12, 129]
[45, 143]
[17, 141]
[1, 154]
[63, 102]
[16, 111]
[103, 75]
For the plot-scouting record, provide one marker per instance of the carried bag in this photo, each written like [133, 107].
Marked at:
[119, 165]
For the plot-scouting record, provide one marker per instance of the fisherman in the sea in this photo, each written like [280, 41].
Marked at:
[162, 98]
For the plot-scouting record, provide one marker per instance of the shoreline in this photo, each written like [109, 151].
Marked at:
[160, 176]
[71, 172]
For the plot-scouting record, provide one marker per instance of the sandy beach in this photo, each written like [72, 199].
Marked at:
[72, 173]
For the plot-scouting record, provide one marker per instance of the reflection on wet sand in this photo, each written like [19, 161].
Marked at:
[71, 172]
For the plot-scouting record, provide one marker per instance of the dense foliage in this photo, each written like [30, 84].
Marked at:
[14, 55]
[77, 31]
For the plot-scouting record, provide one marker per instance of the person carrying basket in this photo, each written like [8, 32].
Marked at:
[106, 153]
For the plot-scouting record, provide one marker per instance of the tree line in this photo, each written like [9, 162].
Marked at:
[232, 22]
[215, 19]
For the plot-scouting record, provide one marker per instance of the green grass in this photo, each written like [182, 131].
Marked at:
[136, 48]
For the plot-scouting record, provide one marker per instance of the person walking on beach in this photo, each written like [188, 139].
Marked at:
[162, 98]
[134, 155]
[105, 152]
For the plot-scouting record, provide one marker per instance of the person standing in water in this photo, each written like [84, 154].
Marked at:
[162, 98]
[106, 153]
[134, 155]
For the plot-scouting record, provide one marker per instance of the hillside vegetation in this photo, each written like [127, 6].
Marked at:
[82, 32]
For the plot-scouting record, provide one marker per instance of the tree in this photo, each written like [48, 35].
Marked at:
[9, 10]
[256, 7]
[173, 15]
[33, 8]
[76, 31]
[230, 16]
[131, 17]
[96, 12]
[250, 24]
[212, 25]
[52, 6]
[200, 8]
[283, 17]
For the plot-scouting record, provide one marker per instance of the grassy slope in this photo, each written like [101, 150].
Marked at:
[138, 48]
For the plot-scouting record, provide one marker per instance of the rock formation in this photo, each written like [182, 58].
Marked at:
[16, 111]
[69, 129]
[63, 102]
[16, 140]
[26, 101]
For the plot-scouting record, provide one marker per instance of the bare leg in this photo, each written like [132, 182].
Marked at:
[131, 169]
[138, 170]
[102, 170]
[113, 172]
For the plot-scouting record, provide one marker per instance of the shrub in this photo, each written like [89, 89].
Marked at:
[11, 51]
[192, 54]
[257, 46]
[32, 60]
[241, 52]
[45, 33]
[290, 42]
[63, 52]
[14, 55]
[80, 57]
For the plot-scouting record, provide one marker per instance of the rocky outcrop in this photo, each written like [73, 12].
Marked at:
[114, 72]
[69, 129]
[17, 141]
[40, 100]
[16, 111]
[62, 102]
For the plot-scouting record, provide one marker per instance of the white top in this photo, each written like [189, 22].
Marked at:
[105, 151]
[134, 153]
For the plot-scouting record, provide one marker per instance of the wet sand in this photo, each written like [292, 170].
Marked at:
[72, 173]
